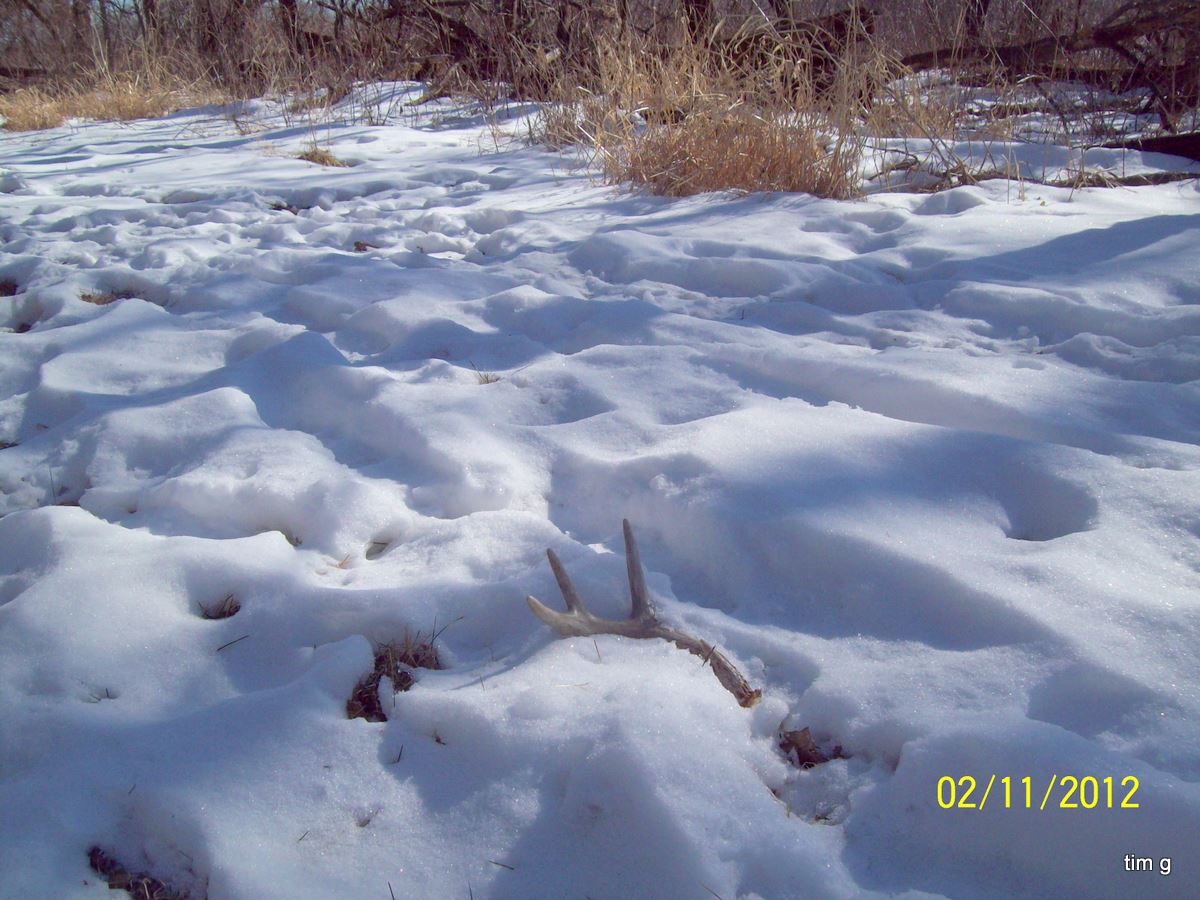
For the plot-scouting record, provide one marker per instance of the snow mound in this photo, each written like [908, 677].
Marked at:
[924, 467]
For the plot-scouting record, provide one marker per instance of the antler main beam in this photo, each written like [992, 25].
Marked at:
[642, 622]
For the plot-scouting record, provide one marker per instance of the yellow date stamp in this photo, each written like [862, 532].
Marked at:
[1058, 792]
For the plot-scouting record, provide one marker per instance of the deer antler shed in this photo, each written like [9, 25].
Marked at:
[642, 622]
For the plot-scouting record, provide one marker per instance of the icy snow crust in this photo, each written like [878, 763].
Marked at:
[925, 466]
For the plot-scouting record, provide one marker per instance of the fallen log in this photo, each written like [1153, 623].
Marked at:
[1186, 145]
[1141, 20]
[22, 73]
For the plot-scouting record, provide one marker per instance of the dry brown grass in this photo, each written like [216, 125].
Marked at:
[135, 884]
[104, 298]
[570, 120]
[321, 97]
[787, 110]
[909, 108]
[122, 98]
[758, 106]
[31, 109]
[734, 149]
[322, 156]
[699, 117]
[483, 377]
[226, 607]
[393, 660]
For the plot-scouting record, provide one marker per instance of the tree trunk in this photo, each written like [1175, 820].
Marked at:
[976, 12]
[1145, 18]
[80, 28]
[151, 23]
[289, 16]
[105, 31]
[1187, 145]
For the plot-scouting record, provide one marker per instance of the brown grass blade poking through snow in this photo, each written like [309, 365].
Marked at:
[641, 624]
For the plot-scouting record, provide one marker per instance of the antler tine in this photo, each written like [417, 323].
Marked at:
[637, 576]
[574, 603]
[576, 620]
[565, 624]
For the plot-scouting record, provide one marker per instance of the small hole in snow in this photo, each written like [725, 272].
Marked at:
[227, 606]
[393, 660]
[137, 884]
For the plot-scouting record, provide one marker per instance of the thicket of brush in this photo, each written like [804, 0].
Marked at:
[677, 95]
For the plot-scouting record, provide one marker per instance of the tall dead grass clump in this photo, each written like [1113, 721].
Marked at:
[753, 111]
[145, 92]
[736, 148]
[137, 95]
[31, 109]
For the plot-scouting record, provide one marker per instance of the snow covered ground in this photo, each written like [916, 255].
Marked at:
[925, 466]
